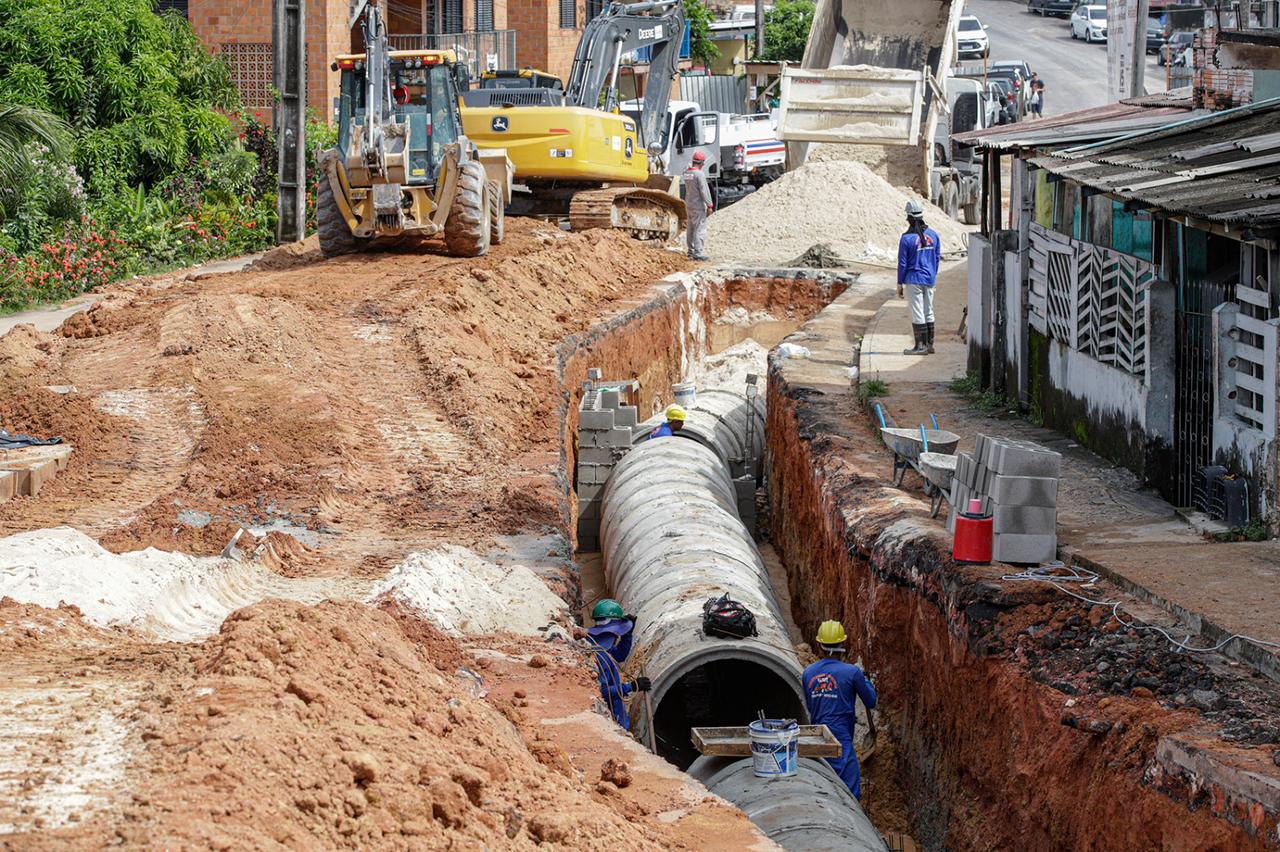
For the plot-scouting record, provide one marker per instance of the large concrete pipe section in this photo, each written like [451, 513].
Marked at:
[671, 539]
[729, 423]
[812, 811]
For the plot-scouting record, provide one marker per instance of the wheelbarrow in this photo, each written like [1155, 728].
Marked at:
[908, 444]
[938, 469]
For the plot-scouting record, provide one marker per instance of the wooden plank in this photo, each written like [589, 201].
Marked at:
[814, 741]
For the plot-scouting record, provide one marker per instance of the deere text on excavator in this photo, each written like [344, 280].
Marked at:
[575, 152]
[403, 165]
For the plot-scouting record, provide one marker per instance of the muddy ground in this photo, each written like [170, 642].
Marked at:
[361, 408]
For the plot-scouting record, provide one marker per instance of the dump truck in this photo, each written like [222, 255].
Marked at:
[576, 153]
[403, 166]
[874, 74]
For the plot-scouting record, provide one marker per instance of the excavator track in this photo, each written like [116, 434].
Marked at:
[648, 214]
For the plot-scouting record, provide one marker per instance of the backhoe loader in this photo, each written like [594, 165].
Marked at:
[403, 166]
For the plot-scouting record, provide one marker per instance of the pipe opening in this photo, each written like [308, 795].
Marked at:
[721, 692]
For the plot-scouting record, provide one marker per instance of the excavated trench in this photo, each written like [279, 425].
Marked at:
[980, 754]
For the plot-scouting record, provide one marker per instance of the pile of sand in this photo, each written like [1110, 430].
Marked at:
[841, 203]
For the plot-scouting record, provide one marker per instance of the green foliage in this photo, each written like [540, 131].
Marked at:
[872, 388]
[21, 129]
[1255, 530]
[698, 17]
[45, 195]
[80, 258]
[137, 88]
[786, 30]
[984, 400]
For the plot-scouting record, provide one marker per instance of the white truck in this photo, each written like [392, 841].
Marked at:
[876, 73]
[743, 151]
[955, 175]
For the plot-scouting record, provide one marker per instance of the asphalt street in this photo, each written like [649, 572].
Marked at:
[1075, 73]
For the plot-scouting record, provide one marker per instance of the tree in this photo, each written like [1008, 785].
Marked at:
[786, 30]
[20, 127]
[137, 88]
[698, 18]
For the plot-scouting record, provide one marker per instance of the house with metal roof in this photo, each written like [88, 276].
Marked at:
[1125, 290]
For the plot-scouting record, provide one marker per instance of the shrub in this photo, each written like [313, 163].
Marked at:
[786, 30]
[81, 258]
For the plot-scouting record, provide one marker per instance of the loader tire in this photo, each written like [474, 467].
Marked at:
[497, 214]
[466, 231]
[334, 232]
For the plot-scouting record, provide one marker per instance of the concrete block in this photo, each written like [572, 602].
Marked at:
[8, 482]
[589, 510]
[1025, 520]
[595, 420]
[30, 476]
[588, 541]
[588, 489]
[1009, 547]
[626, 416]
[618, 437]
[1024, 490]
[598, 455]
[1026, 459]
[610, 399]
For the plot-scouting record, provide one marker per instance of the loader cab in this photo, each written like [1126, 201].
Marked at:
[424, 95]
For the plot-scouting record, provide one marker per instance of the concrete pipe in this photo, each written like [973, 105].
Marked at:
[726, 422]
[811, 811]
[671, 539]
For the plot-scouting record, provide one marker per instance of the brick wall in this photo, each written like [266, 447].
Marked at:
[248, 22]
[1217, 88]
[540, 41]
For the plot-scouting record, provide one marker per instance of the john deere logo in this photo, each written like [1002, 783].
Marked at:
[628, 148]
[499, 124]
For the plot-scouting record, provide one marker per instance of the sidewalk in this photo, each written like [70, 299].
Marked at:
[1106, 520]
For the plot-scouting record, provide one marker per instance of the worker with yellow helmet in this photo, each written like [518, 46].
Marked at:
[675, 422]
[831, 690]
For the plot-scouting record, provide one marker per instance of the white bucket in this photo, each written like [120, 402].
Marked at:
[686, 394]
[774, 747]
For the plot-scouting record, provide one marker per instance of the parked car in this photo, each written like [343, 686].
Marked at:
[1021, 100]
[1061, 8]
[971, 39]
[1175, 48]
[1089, 23]
[1024, 76]
[1155, 36]
[1011, 109]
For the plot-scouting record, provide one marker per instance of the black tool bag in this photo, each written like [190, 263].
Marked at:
[727, 618]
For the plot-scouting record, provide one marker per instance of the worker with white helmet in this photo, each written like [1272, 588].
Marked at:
[697, 205]
[674, 423]
[919, 251]
[831, 690]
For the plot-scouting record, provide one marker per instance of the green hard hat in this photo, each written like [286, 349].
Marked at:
[607, 608]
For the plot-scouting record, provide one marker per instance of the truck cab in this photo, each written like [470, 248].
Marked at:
[688, 128]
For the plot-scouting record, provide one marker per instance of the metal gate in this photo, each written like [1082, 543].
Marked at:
[1195, 386]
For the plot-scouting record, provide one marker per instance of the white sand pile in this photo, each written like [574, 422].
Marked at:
[168, 596]
[841, 203]
[728, 370]
[461, 592]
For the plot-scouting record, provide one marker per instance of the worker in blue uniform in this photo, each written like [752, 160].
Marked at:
[919, 251]
[674, 423]
[831, 690]
[610, 638]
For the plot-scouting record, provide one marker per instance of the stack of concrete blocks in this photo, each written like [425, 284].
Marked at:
[607, 418]
[24, 471]
[1017, 482]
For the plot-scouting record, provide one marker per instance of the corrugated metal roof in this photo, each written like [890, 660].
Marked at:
[1086, 125]
[1222, 167]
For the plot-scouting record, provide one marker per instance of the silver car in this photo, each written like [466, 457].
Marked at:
[1089, 23]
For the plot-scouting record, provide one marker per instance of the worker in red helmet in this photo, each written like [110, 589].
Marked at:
[697, 204]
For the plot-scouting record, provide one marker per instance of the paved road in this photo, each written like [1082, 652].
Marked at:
[1075, 73]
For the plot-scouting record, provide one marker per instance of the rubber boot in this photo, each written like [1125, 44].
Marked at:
[919, 331]
[928, 338]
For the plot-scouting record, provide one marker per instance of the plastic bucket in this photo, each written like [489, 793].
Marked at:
[686, 394]
[774, 747]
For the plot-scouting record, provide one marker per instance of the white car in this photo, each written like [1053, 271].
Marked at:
[971, 39]
[1089, 23]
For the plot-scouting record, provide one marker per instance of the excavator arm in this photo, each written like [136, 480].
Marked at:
[593, 80]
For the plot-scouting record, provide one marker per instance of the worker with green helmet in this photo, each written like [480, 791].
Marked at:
[831, 690]
[610, 638]
[674, 423]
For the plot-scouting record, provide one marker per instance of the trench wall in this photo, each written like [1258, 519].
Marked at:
[991, 757]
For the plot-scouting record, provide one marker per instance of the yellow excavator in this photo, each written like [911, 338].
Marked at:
[573, 149]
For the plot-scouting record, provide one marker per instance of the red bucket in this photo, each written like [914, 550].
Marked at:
[972, 541]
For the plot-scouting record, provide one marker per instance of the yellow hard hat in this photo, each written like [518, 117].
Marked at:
[831, 633]
[675, 412]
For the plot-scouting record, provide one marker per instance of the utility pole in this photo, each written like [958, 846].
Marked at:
[289, 67]
[759, 28]
[1126, 48]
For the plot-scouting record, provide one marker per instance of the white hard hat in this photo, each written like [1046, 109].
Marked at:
[915, 208]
